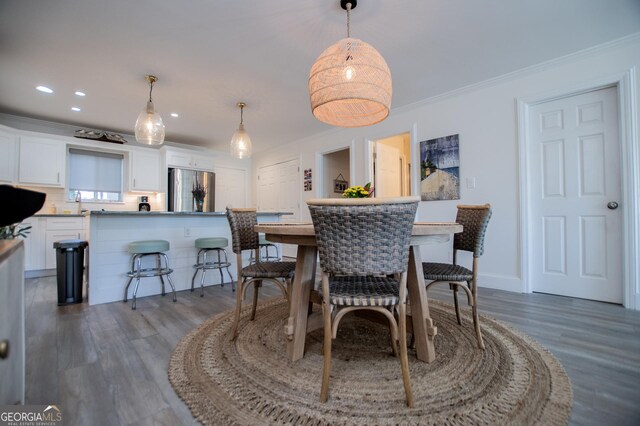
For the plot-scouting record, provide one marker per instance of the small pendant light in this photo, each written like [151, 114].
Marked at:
[240, 142]
[149, 128]
[350, 82]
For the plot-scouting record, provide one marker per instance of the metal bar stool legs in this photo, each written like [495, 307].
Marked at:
[203, 263]
[140, 249]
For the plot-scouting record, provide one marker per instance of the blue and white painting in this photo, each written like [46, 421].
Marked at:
[440, 169]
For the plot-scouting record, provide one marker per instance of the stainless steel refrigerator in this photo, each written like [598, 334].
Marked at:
[181, 184]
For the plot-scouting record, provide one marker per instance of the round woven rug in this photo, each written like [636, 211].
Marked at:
[251, 382]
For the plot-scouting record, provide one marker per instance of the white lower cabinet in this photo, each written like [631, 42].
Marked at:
[33, 244]
[39, 251]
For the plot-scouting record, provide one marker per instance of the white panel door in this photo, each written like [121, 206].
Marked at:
[388, 174]
[278, 190]
[289, 198]
[230, 188]
[574, 163]
[268, 188]
[288, 190]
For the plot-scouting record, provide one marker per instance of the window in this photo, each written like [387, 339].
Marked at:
[97, 176]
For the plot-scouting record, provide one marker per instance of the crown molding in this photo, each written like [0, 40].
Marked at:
[542, 66]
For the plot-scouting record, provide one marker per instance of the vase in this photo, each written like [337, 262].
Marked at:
[199, 205]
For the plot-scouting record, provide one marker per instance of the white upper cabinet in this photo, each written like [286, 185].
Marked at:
[188, 160]
[42, 161]
[8, 157]
[144, 171]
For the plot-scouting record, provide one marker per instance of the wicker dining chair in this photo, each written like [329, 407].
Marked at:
[241, 222]
[474, 220]
[364, 252]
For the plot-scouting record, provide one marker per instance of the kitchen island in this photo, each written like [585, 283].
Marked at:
[110, 232]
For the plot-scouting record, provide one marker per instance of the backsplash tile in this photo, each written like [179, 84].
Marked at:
[56, 198]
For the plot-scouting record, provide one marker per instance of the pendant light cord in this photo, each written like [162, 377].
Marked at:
[241, 111]
[348, 20]
[150, 90]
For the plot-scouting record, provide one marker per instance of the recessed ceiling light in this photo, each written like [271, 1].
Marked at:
[175, 114]
[44, 89]
[76, 109]
[79, 93]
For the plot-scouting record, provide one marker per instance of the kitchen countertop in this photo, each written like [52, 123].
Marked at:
[60, 215]
[158, 213]
[7, 247]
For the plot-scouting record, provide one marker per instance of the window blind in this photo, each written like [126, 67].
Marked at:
[95, 171]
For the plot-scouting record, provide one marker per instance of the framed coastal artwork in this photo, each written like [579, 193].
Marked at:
[440, 168]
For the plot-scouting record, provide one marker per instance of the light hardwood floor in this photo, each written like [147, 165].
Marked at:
[107, 364]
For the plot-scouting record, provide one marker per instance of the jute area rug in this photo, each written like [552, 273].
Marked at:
[250, 381]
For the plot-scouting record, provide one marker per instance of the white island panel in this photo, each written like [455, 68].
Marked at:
[111, 233]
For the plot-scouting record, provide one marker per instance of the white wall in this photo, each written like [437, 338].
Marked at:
[335, 164]
[485, 117]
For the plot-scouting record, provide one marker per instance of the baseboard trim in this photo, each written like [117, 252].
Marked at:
[40, 273]
[500, 282]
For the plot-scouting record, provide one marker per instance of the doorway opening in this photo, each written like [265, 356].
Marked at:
[391, 166]
[336, 173]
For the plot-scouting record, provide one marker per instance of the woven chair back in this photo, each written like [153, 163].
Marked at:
[474, 220]
[243, 236]
[363, 240]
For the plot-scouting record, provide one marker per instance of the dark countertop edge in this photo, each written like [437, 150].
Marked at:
[7, 247]
[134, 213]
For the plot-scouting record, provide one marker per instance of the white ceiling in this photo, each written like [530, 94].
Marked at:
[209, 55]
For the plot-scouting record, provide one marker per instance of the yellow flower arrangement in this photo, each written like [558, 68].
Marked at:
[358, 191]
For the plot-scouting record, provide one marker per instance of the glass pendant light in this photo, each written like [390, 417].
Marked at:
[241, 142]
[350, 82]
[149, 125]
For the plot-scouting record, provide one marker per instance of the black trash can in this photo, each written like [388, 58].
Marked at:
[70, 270]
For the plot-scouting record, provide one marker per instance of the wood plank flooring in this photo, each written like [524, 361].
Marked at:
[107, 364]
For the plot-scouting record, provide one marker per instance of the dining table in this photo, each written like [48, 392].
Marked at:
[302, 319]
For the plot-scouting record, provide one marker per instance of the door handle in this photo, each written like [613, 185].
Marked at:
[612, 205]
[4, 349]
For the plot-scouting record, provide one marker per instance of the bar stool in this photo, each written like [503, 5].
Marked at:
[141, 249]
[217, 244]
[265, 244]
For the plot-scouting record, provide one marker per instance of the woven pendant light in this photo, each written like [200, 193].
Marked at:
[350, 82]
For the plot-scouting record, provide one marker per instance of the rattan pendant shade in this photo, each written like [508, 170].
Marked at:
[350, 85]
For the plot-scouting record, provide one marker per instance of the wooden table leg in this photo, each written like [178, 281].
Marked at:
[303, 283]
[423, 328]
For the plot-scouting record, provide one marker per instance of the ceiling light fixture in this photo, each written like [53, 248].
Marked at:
[350, 82]
[79, 93]
[175, 115]
[241, 142]
[149, 128]
[44, 89]
[76, 109]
